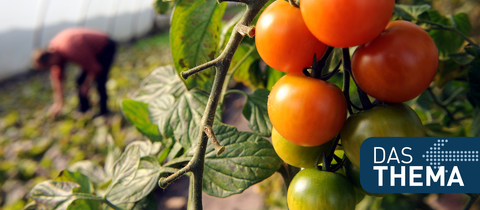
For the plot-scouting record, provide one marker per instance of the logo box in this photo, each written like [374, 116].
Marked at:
[420, 165]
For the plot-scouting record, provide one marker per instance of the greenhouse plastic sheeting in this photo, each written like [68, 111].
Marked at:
[29, 24]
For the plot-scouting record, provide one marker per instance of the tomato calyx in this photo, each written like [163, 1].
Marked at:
[318, 69]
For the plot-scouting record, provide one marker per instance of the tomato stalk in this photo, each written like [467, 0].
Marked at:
[327, 159]
[346, 91]
[222, 63]
[347, 67]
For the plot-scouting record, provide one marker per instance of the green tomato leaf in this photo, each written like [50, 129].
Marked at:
[146, 148]
[227, 31]
[473, 93]
[448, 42]
[176, 110]
[145, 179]
[410, 12]
[147, 203]
[137, 113]
[124, 171]
[246, 65]
[462, 58]
[273, 76]
[255, 110]
[85, 187]
[113, 155]
[90, 169]
[58, 195]
[247, 159]
[475, 129]
[162, 7]
[449, 70]
[162, 81]
[182, 119]
[194, 37]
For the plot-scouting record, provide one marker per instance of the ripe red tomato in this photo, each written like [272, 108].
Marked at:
[283, 40]
[306, 111]
[346, 23]
[398, 65]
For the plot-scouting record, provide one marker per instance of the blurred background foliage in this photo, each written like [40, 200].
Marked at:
[34, 148]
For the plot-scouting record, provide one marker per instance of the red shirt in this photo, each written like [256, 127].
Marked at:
[79, 45]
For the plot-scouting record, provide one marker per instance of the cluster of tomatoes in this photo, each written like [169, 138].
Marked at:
[395, 61]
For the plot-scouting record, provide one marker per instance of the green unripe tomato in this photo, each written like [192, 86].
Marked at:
[359, 195]
[392, 120]
[298, 156]
[312, 189]
[353, 174]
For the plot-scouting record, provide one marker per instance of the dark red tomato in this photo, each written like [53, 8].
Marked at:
[283, 40]
[346, 23]
[398, 65]
[393, 120]
[312, 189]
[306, 111]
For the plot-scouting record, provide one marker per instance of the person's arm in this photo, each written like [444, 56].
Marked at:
[56, 78]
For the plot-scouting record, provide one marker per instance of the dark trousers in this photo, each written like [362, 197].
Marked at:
[105, 59]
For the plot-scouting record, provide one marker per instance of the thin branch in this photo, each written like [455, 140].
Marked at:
[449, 114]
[222, 64]
[346, 91]
[190, 72]
[444, 27]
[218, 148]
[228, 92]
[328, 76]
[245, 30]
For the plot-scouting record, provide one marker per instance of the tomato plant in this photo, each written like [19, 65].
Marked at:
[283, 40]
[306, 111]
[398, 65]
[393, 120]
[180, 108]
[346, 23]
[315, 189]
[298, 156]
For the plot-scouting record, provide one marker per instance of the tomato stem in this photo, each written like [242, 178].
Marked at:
[331, 74]
[317, 67]
[327, 159]
[347, 66]
[444, 107]
[346, 91]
